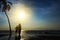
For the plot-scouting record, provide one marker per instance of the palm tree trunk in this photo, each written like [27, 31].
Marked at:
[10, 31]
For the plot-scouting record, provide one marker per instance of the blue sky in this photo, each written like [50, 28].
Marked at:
[45, 12]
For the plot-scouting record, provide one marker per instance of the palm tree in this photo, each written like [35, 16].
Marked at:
[6, 7]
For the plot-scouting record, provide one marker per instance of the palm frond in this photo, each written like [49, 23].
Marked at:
[8, 7]
[3, 0]
[4, 8]
[9, 2]
[0, 5]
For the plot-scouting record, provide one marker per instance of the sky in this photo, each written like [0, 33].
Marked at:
[40, 15]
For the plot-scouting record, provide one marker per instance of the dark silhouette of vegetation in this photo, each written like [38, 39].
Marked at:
[6, 7]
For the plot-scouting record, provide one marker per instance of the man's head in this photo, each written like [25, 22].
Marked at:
[19, 24]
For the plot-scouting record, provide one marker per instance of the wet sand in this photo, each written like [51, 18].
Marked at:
[34, 35]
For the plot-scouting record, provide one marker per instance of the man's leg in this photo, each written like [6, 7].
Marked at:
[16, 35]
[19, 36]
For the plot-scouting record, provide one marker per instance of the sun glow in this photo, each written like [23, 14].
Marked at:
[20, 13]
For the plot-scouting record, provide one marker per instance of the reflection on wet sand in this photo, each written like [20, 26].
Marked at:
[40, 35]
[17, 37]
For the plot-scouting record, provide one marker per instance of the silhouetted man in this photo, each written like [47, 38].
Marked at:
[18, 31]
